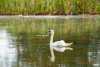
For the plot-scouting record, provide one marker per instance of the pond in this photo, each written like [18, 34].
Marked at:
[24, 41]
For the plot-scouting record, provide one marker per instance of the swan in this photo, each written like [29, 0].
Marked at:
[59, 46]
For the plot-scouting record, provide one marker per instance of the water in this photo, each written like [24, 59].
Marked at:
[24, 41]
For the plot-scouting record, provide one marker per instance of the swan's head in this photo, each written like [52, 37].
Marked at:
[51, 31]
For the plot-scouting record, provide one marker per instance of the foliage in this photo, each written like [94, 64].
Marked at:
[49, 7]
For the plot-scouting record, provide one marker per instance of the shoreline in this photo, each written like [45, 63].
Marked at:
[49, 16]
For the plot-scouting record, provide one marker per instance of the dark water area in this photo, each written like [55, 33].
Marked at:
[24, 41]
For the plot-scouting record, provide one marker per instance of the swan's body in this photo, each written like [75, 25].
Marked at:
[59, 46]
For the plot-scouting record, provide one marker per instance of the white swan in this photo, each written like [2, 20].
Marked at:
[59, 46]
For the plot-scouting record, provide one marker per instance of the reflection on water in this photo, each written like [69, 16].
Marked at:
[7, 53]
[24, 42]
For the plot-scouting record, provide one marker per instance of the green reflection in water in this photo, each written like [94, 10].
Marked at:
[32, 44]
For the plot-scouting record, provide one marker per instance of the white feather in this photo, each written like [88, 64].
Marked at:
[59, 46]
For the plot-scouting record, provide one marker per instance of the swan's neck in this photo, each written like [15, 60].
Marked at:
[51, 48]
[51, 38]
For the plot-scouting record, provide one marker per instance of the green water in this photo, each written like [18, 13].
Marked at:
[24, 41]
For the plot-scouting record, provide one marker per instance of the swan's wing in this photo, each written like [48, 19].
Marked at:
[59, 43]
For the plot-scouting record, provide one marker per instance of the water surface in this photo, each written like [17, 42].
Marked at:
[24, 41]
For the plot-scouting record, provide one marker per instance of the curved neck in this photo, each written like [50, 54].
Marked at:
[51, 37]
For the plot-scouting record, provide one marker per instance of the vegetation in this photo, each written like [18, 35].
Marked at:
[49, 7]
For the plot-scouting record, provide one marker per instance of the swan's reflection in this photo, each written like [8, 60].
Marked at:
[7, 53]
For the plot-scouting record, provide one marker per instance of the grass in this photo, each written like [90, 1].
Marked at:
[49, 7]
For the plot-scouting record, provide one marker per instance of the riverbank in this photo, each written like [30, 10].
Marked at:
[50, 16]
